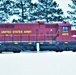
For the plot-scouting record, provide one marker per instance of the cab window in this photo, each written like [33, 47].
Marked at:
[65, 29]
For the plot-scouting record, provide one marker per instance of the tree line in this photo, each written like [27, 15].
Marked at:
[46, 10]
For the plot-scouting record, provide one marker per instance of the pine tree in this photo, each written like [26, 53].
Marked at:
[3, 15]
[46, 10]
[74, 1]
[22, 7]
[10, 8]
[6, 8]
[72, 13]
[26, 11]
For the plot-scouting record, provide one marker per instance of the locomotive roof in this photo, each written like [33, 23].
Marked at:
[27, 23]
[16, 23]
[59, 24]
[64, 24]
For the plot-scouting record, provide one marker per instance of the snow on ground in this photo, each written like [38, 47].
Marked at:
[44, 63]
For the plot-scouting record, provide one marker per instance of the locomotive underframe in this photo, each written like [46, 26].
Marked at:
[57, 46]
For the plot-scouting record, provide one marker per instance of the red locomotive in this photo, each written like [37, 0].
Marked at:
[19, 37]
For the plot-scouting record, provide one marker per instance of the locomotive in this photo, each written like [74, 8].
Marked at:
[17, 37]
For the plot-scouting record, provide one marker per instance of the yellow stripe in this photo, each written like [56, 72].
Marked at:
[16, 43]
[66, 42]
[41, 42]
[50, 42]
[29, 42]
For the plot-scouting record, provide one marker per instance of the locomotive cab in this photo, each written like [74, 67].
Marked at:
[64, 32]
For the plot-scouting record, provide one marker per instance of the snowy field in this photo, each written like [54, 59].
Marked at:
[43, 63]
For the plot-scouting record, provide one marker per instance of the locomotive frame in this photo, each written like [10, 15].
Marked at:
[26, 36]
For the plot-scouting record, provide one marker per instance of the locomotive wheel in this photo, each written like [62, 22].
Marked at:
[30, 48]
[56, 51]
[74, 50]
[0, 51]
[61, 51]
[16, 51]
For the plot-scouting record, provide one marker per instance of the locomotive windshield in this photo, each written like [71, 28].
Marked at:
[65, 29]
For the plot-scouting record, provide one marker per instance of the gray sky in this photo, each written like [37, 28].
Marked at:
[64, 5]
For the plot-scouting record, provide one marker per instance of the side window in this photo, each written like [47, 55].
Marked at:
[65, 29]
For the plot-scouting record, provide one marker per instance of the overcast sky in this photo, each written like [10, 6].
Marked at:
[64, 5]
